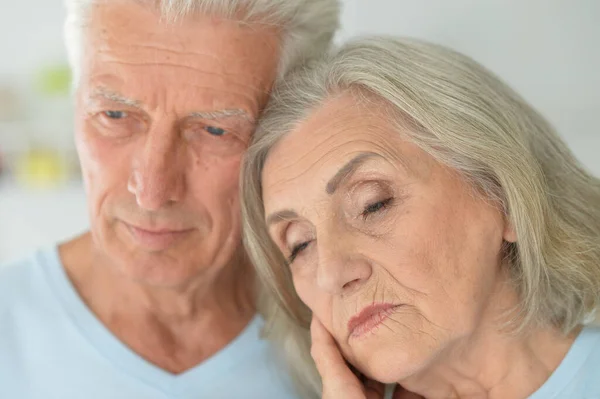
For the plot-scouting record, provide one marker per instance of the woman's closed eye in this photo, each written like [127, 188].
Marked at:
[375, 207]
[296, 250]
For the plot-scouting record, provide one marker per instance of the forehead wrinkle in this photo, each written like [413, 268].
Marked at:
[349, 129]
[155, 47]
[162, 56]
[231, 82]
[388, 143]
[314, 162]
[282, 182]
[165, 40]
[227, 77]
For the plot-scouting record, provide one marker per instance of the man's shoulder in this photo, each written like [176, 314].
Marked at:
[20, 279]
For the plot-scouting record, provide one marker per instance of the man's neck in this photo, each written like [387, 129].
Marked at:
[175, 328]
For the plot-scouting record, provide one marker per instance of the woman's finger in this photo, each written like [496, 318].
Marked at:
[326, 354]
[338, 379]
[401, 393]
[374, 389]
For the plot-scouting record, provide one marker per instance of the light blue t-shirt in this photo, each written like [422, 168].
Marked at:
[578, 375]
[53, 347]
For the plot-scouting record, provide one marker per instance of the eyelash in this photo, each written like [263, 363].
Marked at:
[376, 207]
[111, 114]
[296, 251]
[215, 131]
[369, 210]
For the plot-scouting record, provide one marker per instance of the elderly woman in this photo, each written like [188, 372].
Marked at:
[441, 234]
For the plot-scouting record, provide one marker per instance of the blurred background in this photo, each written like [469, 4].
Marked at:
[547, 50]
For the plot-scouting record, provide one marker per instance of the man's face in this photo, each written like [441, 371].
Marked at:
[164, 114]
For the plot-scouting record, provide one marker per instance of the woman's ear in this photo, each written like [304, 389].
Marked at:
[509, 234]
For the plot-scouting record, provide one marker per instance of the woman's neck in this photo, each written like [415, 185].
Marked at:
[492, 362]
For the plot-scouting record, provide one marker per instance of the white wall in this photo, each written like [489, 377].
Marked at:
[35, 218]
[547, 50]
[30, 34]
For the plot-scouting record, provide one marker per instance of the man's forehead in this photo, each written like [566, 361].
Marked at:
[144, 25]
[218, 61]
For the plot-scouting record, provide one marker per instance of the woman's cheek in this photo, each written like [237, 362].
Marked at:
[308, 294]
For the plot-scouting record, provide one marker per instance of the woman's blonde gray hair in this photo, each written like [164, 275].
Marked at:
[307, 26]
[466, 118]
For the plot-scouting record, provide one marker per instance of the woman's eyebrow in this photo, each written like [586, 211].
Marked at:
[348, 170]
[281, 215]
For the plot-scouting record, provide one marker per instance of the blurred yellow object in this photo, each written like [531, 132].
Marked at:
[41, 168]
[54, 80]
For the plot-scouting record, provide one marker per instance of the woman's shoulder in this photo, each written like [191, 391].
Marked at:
[578, 375]
[586, 351]
[589, 341]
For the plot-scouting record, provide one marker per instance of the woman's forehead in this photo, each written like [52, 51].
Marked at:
[336, 127]
[331, 136]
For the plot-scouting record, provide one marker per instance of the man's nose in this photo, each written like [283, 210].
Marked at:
[341, 268]
[158, 170]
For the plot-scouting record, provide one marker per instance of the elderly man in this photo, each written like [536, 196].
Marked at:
[157, 301]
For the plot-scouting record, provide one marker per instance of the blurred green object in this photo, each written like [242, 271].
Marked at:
[54, 80]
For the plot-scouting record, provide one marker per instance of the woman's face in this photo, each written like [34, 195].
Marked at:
[392, 252]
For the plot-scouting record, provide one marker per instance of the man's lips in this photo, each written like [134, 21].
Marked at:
[369, 318]
[157, 238]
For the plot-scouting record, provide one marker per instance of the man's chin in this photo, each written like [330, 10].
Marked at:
[171, 267]
[155, 269]
[163, 261]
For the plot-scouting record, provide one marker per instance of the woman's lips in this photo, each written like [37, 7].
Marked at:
[369, 318]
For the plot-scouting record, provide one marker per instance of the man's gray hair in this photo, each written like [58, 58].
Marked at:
[308, 26]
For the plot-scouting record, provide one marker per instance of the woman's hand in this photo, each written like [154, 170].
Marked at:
[338, 379]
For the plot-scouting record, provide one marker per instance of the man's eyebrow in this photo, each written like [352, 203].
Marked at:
[115, 97]
[281, 215]
[221, 114]
[348, 170]
[213, 115]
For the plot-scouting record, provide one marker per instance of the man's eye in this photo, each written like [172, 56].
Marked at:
[215, 131]
[115, 114]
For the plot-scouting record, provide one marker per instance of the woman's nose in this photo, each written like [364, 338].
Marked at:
[341, 268]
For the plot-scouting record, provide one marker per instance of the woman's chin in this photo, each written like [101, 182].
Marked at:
[388, 365]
